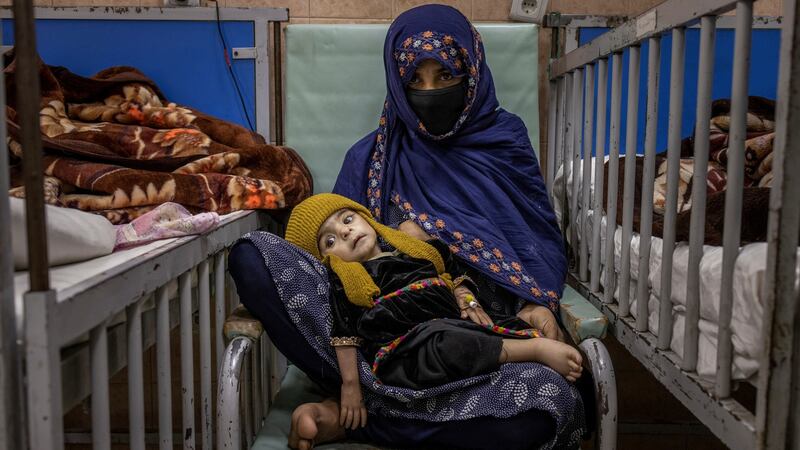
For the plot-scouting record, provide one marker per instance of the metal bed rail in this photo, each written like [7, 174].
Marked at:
[776, 422]
[51, 324]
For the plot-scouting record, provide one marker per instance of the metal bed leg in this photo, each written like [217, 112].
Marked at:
[43, 363]
[605, 391]
[229, 426]
[187, 360]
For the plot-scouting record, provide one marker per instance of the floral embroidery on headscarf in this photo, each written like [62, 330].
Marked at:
[376, 166]
[446, 50]
[478, 252]
[430, 45]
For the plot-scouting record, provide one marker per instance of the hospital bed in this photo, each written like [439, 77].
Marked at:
[96, 317]
[716, 325]
[334, 94]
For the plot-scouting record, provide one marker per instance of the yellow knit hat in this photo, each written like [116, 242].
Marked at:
[303, 227]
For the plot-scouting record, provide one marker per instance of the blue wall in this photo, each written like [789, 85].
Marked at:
[184, 58]
[763, 78]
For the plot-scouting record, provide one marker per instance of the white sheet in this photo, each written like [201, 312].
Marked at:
[746, 322]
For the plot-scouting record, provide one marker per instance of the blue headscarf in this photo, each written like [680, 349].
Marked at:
[477, 187]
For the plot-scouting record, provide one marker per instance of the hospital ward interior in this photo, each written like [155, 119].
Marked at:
[387, 224]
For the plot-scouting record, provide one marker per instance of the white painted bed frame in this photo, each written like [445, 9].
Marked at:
[775, 423]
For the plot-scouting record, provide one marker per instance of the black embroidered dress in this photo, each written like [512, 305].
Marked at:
[414, 336]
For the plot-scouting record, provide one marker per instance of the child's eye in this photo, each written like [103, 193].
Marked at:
[329, 241]
[348, 219]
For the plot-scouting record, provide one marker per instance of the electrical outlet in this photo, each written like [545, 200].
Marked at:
[528, 10]
[175, 3]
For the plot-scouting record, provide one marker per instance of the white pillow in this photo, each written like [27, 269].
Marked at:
[72, 235]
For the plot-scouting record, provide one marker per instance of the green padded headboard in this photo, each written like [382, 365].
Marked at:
[335, 86]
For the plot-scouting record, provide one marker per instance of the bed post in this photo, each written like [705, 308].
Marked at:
[777, 411]
[12, 417]
[42, 357]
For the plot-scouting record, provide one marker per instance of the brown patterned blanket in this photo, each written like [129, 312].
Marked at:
[758, 177]
[113, 145]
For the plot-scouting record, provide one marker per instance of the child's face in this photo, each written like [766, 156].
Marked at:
[347, 235]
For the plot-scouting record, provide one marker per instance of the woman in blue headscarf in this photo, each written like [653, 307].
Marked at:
[447, 161]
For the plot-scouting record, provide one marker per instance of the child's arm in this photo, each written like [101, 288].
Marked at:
[352, 412]
[344, 338]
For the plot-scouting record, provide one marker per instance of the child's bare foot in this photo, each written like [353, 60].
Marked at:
[563, 358]
[315, 423]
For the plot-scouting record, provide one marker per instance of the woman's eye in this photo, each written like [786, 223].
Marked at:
[329, 241]
[348, 219]
[446, 76]
[414, 80]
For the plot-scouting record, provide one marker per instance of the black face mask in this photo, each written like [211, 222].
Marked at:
[438, 109]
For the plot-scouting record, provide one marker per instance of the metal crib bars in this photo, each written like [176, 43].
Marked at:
[648, 177]
[187, 366]
[597, 204]
[575, 76]
[698, 215]
[552, 138]
[588, 124]
[613, 175]
[630, 175]
[101, 411]
[560, 127]
[673, 166]
[219, 305]
[565, 150]
[193, 297]
[136, 377]
[733, 191]
[206, 399]
[164, 370]
[575, 159]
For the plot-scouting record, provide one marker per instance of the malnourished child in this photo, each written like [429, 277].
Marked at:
[405, 310]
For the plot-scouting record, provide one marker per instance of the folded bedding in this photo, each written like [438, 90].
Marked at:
[114, 146]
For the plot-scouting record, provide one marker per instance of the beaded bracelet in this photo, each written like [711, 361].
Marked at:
[346, 341]
[461, 279]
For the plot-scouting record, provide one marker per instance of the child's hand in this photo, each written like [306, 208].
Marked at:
[463, 298]
[411, 228]
[353, 413]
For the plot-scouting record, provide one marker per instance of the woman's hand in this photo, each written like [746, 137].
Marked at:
[352, 413]
[411, 228]
[541, 318]
[477, 315]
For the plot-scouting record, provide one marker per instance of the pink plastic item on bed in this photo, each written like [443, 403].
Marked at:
[168, 220]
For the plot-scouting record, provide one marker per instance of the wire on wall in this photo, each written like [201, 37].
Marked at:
[230, 69]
